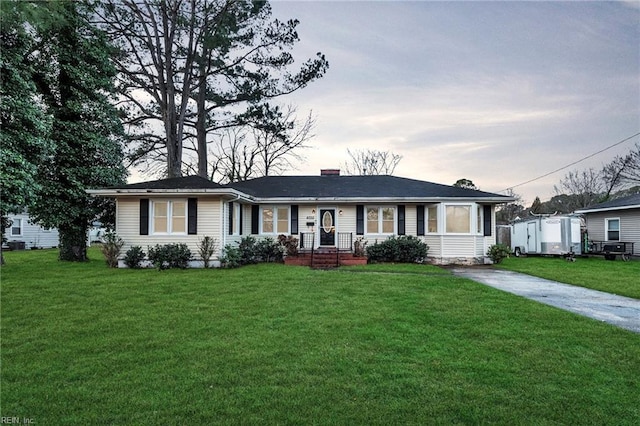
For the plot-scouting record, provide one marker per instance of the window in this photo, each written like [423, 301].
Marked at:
[169, 217]
[275, 219]
[16, 228]
[381, 220]
[613, 229]
[432, 219]
[479, 220]
[234, 218]
[458, 219]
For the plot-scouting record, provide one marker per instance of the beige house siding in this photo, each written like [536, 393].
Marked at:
[629, 226]
[128, 226]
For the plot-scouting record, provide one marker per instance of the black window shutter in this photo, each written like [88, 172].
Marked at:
[255, 217]
[359, 219]
[144, 216]
[192, 220]
[420, 213]
[294, 219]
[487, 221]
[240, 221]
[230, 217]
[401, 220]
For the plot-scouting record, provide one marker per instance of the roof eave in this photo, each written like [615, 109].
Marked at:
[608, 209]
[122, 192]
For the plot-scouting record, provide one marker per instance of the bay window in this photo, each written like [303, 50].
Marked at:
[432, 219]
[458, 219]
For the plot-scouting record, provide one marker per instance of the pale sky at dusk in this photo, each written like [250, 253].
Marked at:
[495, 92]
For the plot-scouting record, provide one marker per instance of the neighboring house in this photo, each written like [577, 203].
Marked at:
[329, 211]
[22, 230]
[615, 221]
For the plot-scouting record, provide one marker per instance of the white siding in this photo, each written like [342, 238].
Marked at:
[33, 236]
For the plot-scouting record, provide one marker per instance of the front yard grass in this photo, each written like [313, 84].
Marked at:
[617, 277]
[269, 344]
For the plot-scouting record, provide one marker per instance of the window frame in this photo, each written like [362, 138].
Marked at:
[380, 219]
[427, 218]
[275, 209]
[607, 221]
[169, 203]
[235, 218]
[470, 226]
[21, 227]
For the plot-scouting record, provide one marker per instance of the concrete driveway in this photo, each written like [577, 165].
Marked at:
[620, 311]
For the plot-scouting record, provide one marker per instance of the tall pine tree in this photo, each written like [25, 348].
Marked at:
[75, 79]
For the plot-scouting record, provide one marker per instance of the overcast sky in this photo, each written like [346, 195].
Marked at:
[495, 92]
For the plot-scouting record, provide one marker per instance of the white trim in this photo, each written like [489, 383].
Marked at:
[21, 227]
[274, 208]
[169, 203]
[607, 220]
[608, 209]
[380, 219]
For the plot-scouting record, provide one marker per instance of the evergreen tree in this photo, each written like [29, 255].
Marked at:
[23, 123]
[75, 77]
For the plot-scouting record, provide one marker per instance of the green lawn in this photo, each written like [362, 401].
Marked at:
[269, 344]
[615, 277]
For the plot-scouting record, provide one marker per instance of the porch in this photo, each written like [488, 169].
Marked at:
[324, 257]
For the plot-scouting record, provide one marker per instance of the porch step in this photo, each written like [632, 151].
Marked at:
[325, 258]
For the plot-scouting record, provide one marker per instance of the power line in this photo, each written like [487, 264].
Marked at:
[572, 164]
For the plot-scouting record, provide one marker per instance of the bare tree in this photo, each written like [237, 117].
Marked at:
[265, 146]
[371, 162]
[622, 171]
[584, 188]
[184, 63]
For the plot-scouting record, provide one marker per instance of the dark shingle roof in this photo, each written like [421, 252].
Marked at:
[630, 201]
[352, 187]
[186, 182]
[321, 187]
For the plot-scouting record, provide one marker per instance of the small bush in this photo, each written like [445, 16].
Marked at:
[133, 257]
[268, 250]
[206, 247]
[111, 248]
[170, 256]
[360, 247]
[498, 252]
[231, 257]
[289, 244]
[248, 250]
[403, 249]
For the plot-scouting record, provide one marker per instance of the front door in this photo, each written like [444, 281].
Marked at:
[327, 227]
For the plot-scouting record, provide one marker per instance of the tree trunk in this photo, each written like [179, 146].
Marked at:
[73, 243]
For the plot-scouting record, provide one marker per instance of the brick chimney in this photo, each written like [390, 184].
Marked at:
[329, 172]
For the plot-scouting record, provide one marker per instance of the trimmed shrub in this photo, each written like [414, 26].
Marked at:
[231, 257]
[248, 251]
[111, 248]
[170, 256]
[133, 257]
[403, 249]
[268, 250]
[498, 252]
